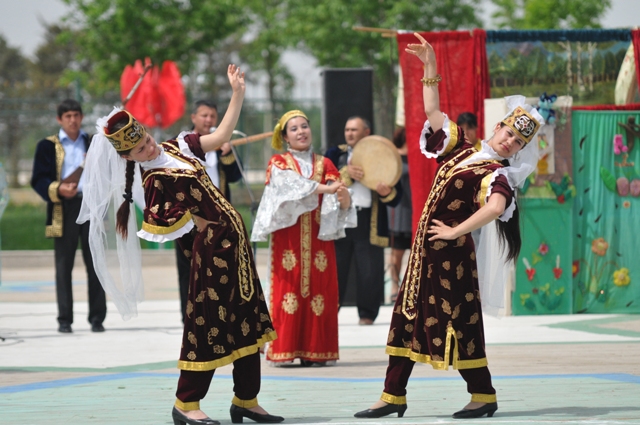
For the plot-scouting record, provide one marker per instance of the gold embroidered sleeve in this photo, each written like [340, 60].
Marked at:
[53, 191]
[390, 197]
[228, 159]
[453, 138]
[344, 175]
[484, 187]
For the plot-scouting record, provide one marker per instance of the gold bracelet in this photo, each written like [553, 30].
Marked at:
[427, 82]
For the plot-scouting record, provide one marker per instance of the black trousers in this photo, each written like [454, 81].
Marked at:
[369, 261]
[65, 254]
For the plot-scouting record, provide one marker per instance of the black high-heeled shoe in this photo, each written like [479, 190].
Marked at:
[180, 419]
[383, 411]
[237, 413]
[488, 409]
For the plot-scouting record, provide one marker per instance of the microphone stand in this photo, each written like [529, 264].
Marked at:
[254, 204]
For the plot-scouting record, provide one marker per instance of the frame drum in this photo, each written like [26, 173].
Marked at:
[380, 160]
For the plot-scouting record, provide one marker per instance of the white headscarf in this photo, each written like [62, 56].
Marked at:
[103, 191]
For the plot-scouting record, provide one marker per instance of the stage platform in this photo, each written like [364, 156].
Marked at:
[565, 369]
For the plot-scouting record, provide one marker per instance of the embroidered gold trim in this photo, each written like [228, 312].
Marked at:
[228, 159]
[305, 254]
[484, 188]
[315, 356]
[391, 196]
[393, 399]
[190, 405]
[373, 229]
[484, 398]
[235, 355]
[247, 404]
[165, 230]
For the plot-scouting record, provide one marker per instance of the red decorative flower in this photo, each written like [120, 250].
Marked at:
[575, 268]
[561, 199]
[543, 249]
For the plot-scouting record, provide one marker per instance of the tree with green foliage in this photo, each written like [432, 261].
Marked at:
[13, 79]
[269, 40]
[115, 33]
[324, 29]
[549, 14]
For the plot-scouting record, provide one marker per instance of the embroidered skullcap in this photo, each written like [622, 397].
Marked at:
[524, 119]
[128, 136]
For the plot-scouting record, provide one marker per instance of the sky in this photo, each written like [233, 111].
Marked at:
[20, 25]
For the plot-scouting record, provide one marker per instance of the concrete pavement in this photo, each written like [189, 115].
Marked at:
[569, 369]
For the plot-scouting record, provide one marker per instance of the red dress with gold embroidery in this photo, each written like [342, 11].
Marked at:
[437, 318]
[227, 315]
[304, 279]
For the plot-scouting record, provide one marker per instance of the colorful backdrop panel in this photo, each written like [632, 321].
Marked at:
[606, 213]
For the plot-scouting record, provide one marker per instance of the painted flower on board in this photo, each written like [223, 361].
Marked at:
[599, 247]
[575, 268]
[621, 277]
[543, 249]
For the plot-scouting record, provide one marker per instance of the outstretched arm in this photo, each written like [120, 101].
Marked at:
[223, 133]
[431, 98]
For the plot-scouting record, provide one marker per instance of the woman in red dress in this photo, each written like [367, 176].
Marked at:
[304, 208]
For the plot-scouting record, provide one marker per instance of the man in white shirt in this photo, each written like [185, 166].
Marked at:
[367, 241]
[57, 177]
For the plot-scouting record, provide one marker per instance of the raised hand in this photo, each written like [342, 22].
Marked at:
[424, 51]
[236, 78]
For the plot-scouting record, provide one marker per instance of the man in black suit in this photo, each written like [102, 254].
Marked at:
[57, 179]
[367, 241]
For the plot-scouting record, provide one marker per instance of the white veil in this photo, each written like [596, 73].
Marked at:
[494, 271]
[104, 183]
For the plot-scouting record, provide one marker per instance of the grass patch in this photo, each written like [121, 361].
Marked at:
[22, 228]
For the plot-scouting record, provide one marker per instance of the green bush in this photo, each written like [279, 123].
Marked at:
[22, 227]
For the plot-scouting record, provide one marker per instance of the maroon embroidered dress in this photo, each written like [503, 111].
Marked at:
[304, 278]
[227, 316]
[437, 317]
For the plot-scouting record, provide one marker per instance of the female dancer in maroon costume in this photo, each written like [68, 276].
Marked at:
[227, 319]
[437, 317]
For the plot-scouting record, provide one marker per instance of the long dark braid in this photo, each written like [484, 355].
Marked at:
[122, 217]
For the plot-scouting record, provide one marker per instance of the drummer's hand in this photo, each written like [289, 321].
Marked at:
[225, 149]
[424, 51]
[355, 172]
[383, 189]
[236, 78]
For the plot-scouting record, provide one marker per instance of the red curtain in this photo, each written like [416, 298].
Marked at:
[635, 39]
[629, 107]
[462, 63]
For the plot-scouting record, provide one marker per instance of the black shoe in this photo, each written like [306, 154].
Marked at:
[383, 411]
[237, 413]
[64, 328]
[180, 419]
[97, 327]
[488, 409]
